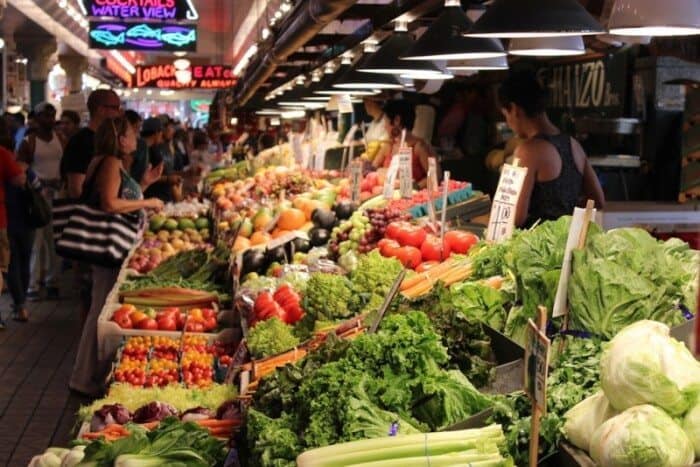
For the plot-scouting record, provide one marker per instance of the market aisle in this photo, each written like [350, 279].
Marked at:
[36, 408]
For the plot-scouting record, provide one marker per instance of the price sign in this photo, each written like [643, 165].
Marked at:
[345, 104]
[505, 202]
[405, 156]
[537, 366]
[391, 178]
[355, 180]
[432, 188]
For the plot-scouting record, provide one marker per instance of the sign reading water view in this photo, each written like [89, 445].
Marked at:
[201, 77]
[146, 36]
[168, 10]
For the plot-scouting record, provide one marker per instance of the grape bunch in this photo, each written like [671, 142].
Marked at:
[348, 235]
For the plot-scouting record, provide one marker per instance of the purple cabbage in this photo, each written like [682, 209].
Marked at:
[155, 411]
[230, 410]
[109, 414]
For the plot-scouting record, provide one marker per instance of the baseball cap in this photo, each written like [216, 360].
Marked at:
[151, 125]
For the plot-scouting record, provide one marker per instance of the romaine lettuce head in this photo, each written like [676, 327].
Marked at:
[644, 365]
[641, 436]
[584, 419]
[691, 425]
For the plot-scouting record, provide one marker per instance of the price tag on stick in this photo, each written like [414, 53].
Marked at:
[505, 202]
[536, 369]
[355, 180]
[387, 300]
[405, 172]
[432, 189]
[443, 214]
[391, 178]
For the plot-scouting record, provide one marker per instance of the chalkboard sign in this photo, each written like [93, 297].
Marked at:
[591, 85]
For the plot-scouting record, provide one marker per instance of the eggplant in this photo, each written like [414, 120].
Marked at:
[323, 218]
[319, 236]
[344, 209]
[301, 245]
[254, 261]
[276, 255]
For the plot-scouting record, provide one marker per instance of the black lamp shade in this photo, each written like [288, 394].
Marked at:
[535, 18]
[444, 40]
[386, 60]
[325, 86]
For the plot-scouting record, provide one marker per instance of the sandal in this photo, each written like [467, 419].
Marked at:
[22, 315]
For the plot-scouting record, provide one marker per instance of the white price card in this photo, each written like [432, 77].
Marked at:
[391, 178]
[536, 366]
[505, 202]
[355, 180]
[405, 156]
[578, 221]
[345, 104]
[432, 189]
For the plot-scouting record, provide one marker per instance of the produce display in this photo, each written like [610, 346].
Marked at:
[300, 273]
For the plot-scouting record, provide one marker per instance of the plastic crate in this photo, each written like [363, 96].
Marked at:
[453, 197]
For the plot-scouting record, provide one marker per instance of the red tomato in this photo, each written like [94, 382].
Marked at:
[148, 324]
[167, 323]
[392, 230]
[457, 241]
[210, 323]
[432, 249]
[388, 247]
[412, 236]
[123, 321]
[426, 266]
[180, 320]
[208, 313]
[137, 317]
[409, 256]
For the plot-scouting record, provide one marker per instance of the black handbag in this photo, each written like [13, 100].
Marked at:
[38, 209]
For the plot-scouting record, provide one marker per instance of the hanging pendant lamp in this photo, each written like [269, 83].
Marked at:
[497, 63]
[655, 18]
[356, 80]
[386, 60]
[444, 39]
[325, 86]
[547, 46]
[535, 18]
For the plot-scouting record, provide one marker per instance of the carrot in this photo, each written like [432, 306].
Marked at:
[213, 423]
[150, 425]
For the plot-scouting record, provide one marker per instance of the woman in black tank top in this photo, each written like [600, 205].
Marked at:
[523, 103]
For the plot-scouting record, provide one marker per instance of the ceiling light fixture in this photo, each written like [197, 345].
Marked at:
[354, 79]
[547, 46]
[655, 18]
[386, 59]
[444, 39]
[535, 18]
[498, 63]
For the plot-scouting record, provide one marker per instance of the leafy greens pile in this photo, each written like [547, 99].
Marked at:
[360, 389]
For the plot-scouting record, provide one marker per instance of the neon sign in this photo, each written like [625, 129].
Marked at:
[203, 77]
[141, 9]
[143, 36]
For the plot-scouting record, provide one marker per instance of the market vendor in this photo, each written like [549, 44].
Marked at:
[376, 135]
[400, 116]
[559, 176]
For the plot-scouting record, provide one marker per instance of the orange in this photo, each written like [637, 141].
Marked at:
[279, 232]
[259, 238]
[241, 244]
[291, 219]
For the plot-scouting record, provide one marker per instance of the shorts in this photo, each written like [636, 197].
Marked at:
[4, 250]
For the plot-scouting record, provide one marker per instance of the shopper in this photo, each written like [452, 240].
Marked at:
[24, 128]
[153, 132]
[42, 151]
[101, 104]
[12, 173]
[200, 162]
[400, 117]
[69, 124]
[559, 174]
[108, 187]
[138, 161]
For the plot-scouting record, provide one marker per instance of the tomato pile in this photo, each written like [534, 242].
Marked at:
[421, 197]
[166, 319]
[284, 304]
[155, 361]
[417, 249]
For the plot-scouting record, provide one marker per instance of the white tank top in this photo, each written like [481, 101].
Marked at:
[47, 158]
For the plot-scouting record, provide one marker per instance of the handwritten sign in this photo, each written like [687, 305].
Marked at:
[577, 230]
[391, 178]
[537, 366]
[432, 188]
[505, 202]
[405, 156]
[355, 180]
[345, 104]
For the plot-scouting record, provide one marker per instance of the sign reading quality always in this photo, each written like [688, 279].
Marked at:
[201, 77]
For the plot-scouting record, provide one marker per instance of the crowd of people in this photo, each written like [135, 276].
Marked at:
[118, 162]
